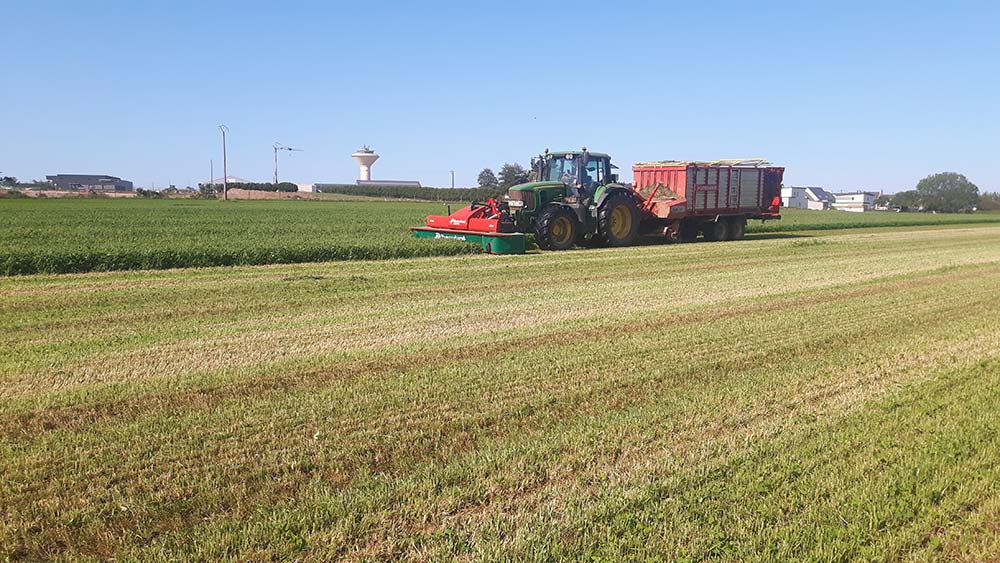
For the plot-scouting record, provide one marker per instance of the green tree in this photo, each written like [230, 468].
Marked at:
[948, 192]
[487, 179]
[8, 181]
[908, 199]
[512, 175]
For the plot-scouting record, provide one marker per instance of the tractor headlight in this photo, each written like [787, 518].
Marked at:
[515, 203]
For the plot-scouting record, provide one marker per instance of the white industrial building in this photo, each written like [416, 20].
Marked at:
[855, 201]
[227, 180]
[806, 197]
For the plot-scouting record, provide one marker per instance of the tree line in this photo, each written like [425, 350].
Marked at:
[413, 192]
[510, 175]
[945, 192]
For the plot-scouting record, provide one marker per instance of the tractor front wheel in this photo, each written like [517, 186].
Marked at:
[618, 221]
[556, 229]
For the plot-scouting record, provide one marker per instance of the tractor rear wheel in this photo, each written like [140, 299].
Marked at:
[716, 231]
[618, 221]
[556, 229]
[737, 228]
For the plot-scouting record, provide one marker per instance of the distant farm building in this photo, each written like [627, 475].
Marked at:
[855, 201]
[808, 197]
[226, 180]
[90, 182]
[392, 183]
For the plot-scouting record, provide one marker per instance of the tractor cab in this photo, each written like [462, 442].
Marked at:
[573, 178]
[581, 172]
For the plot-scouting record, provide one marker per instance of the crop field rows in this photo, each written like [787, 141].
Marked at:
[77, 235]
[830, 398]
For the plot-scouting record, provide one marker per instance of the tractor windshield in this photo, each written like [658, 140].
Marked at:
[561, 169]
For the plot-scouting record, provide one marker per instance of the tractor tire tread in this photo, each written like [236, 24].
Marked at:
[604, 221]
[543, 228]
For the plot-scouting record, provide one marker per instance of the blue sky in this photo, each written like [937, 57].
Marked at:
[845, 95]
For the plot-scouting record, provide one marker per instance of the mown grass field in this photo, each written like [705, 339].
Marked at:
[826, 398]
[82, 235]
[808, 220]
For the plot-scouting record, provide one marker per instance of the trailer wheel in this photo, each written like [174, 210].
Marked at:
[689, 231]
[737, 228]
[716, 231]
[556, 229]
[617, 221]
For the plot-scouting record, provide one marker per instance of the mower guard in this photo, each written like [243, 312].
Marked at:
[493, 243]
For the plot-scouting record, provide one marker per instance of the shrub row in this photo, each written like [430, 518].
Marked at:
[413, 192]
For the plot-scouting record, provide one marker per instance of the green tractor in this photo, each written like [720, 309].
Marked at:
[574, 198]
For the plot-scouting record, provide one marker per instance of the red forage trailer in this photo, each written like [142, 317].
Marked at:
[714, 198]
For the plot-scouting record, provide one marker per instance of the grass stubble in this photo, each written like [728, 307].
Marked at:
[736, 401]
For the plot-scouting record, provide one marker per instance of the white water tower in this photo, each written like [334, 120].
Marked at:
[365, 157]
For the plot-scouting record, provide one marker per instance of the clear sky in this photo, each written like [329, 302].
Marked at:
[846, 95]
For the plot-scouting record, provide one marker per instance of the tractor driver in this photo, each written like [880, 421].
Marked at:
[569, 174]
[587, 183]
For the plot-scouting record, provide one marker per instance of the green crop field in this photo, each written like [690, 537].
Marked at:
[825, 398]
[82, 235]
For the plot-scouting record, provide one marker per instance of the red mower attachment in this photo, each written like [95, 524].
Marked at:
[486, 224]
[482, 217]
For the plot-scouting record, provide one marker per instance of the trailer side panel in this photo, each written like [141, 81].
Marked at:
[685, 189]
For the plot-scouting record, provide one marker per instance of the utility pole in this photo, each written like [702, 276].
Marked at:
[280, 147]
[225, 169]
[453, 179]
[211, 174]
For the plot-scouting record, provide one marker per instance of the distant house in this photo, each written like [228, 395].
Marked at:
[806, 197]
[855, 201]
[90, 182]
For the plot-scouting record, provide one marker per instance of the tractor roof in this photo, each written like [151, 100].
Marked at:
[574, 153]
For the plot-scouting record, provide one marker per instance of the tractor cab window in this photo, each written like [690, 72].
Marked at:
[593, 173]
[562, 169]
